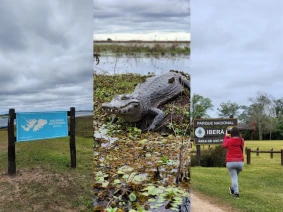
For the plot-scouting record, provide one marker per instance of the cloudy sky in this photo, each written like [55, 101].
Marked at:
[237, 49]
[45, 55]
[143, 20]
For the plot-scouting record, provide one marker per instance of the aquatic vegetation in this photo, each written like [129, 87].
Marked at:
[139, 171]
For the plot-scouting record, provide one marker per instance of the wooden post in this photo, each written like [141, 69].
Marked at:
[198, 149]
[72, 137]
[281, 157]
[248, 156]
[257, 153]
[198, 155]
[271, 153]
[246, 150]
[11, 143]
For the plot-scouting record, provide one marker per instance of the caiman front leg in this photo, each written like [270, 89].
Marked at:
[159, 116]
[114, 119]
[185, 82]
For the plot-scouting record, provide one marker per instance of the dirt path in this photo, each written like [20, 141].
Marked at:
[200, 203]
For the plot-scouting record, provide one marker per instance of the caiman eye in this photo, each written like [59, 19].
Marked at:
[124, 98]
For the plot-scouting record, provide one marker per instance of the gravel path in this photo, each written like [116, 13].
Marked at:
[200, 204]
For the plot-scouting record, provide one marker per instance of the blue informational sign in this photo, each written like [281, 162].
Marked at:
[41, 125]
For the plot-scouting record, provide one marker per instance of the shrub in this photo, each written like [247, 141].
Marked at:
[213, 157]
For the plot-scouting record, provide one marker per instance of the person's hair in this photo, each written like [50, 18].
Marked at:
[235, 132]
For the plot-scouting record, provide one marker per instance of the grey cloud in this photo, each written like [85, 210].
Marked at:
[46, 54]
[236, 49]
[140, 16]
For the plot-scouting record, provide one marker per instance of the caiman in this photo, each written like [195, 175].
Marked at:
[147, 97]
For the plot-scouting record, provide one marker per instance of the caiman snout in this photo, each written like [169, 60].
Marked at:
[109, 108]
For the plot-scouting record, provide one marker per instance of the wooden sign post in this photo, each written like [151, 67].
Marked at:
[50, 125]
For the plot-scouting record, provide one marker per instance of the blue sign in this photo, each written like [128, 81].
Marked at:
[41, 125]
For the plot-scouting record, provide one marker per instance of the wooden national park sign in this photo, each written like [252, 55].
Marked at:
[211, 131]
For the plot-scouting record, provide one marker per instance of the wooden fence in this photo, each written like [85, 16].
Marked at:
[271, 152]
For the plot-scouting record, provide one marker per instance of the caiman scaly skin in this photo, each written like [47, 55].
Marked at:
[147, 97]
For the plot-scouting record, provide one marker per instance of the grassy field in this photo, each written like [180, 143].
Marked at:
[44, 180]
[260, 183]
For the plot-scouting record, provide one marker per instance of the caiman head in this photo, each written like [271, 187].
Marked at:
[122, 104]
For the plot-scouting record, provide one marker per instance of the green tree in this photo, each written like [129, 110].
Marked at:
[279, 107]
[199, 106]
[260, 112]
[244, 116]
[279, 116]
[228, 109]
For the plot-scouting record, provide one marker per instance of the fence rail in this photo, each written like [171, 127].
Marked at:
[249, 151]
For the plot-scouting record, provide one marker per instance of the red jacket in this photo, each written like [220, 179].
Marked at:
[234, 153]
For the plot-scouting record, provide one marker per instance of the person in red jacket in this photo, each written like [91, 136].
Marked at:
[234, 157]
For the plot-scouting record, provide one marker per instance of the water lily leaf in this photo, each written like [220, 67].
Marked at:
[111, 209]
[117, 181]
[174, 205]
[139, 178]
[145, 194]
[143, 141]
[105, 184]
[99, 174]
[171, 162]
[152, 200]
[152, 192]
[132, 197]
[177, 199]
[99, 179]
[125, 176]
[125, 169]
[150, 187]
[157, 206]
[161, 199]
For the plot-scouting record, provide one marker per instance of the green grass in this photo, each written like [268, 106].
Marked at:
[44, 180]
[261, 182]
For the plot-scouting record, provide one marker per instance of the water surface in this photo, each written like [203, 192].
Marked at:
[141, 64]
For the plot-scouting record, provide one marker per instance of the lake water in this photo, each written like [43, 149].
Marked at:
[4, 121]
[141, 64]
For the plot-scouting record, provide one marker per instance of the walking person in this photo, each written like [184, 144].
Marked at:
[234, 157]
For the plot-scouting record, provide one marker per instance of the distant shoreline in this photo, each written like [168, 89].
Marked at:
[141, 41]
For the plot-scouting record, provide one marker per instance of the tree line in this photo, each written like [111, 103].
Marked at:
[265, 111]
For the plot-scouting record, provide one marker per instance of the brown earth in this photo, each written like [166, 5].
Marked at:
[202, 203]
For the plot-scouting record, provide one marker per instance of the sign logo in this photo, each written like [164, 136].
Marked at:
[41, 125]
[199, 132]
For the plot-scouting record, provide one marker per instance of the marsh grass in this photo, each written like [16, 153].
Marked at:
[261, 182]
[132, 48]
[44, 180]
